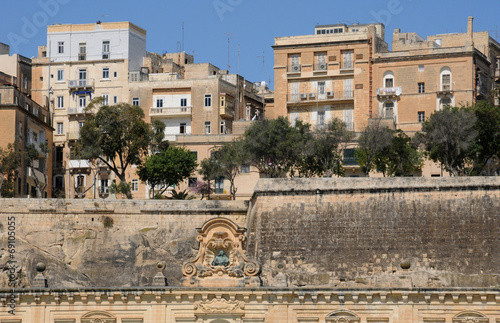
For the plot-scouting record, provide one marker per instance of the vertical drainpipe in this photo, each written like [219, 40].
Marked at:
[370, 75]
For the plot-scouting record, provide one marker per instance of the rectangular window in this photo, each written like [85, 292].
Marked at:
[105, 73]
[192, 181]
[0, 98]
[105, 49]
[207, 127]
[208, 100]
[60, 102]
[105, 99]
[60, 75]
[223, 128]
[35, 137]
[115, 99]
[135, 185]
[295, 63]
[195, 154]
[321, 120]
[245, 169]
[420, 68]
[82, 52]
[60, 47]
[389, 82]
[82, 101]
[135, 101]
[219, 185]
[421, 87]
[182, 128]
[321, 62]
[347, 60]
[446, 82]
[25, 82]
[321, 88]
[60, 128]
[80, 125]
[20, 129]
[159, 103]
[421, 116]
[115, 74]
[348, 92]
[183, 102]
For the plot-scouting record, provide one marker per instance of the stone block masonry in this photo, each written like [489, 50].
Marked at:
[318, 233]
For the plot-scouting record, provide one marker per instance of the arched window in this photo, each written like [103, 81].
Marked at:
[472, 316]
[388, 79]
[445, 102]
[342, 317]
[446, 79]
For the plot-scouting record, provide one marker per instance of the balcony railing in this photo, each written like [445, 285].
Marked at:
[390, 91]
[36, 173]
[170, 112]
[321, 96]
[320, 67]
[72, 84]
[75, 111]
[295, 68]
[103, 189]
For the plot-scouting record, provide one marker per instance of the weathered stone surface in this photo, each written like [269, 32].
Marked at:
[358, 231]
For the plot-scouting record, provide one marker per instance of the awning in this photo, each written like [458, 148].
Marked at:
[83, 92]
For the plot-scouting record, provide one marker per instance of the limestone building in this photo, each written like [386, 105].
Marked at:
[78, 63]
[24, 122]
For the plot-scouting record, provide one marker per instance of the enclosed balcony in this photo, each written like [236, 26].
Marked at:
[226, 112]
[170, 112]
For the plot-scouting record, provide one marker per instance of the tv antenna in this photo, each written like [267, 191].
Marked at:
[263, 65]
[182, 36]
[228, 49]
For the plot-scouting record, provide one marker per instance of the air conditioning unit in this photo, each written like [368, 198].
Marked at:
[329, 93]
[296, 68]
[72, 83]
[72, 110]
[312, 95]
[303, 96]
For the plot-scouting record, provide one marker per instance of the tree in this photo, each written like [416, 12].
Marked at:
[9, 161]
[34, 154]
[372, 147]
[449, 137]
[118, 136]
[203, 188]
[209, 170]
[486, 148]
[167, 168]
[403, 157]
[322, 154]
[275, 147]
[229, 158]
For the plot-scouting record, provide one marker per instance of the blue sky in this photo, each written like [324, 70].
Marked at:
[252, 24]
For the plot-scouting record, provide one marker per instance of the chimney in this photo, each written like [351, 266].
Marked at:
[470, 29]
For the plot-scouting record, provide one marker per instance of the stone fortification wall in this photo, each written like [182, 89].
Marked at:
[316, 232]
[357, 232]
[105, 243]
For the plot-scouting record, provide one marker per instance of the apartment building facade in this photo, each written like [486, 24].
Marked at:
[79, 63]
[202, 108]
[420, 76]
[348, 72]
[327, 75]
[23, 122]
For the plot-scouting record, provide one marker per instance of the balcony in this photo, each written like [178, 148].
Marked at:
[497, 73]
[226, 112]
[170, 112]
[324, 96]
[79, 163]
[76, 111]
[81, 84]
[389, 92]
[444, 89]
[73, 135]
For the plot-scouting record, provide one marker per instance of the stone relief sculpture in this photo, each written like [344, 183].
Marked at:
[222, 260]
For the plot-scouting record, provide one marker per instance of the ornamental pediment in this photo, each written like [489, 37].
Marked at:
[219, 306]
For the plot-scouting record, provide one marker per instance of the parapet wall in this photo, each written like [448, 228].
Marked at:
[357, 232]
[348, 232]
